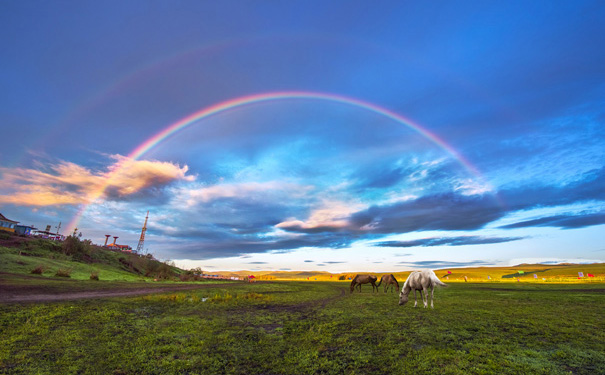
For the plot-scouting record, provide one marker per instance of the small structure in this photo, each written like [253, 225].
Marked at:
[115, 246]
[7, 224]
[47, 234]
[25, 230]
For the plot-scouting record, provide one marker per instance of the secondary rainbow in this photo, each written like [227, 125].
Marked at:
[260, 98]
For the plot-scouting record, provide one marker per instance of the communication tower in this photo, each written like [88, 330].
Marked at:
[142, 239]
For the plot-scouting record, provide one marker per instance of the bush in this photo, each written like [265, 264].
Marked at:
[63, 272]
[38, 270]
[94, 275]
[79, 250]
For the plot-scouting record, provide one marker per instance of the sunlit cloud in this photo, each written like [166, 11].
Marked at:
[192, 197]
[331, 214]
[65, 183]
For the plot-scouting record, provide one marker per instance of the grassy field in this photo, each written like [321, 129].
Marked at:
[312, 328]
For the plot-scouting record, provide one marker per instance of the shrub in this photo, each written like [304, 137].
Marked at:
[5, 236]
[79, 250]
[38, 270]
[94, 275]
[63, 272]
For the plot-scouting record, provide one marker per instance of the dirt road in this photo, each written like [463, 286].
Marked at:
[15, 293]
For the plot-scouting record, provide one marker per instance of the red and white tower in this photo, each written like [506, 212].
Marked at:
[142, 239]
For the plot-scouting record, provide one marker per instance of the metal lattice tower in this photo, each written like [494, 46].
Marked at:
[142, 239]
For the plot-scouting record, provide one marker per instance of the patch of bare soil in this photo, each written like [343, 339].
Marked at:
[306, 306]
[44, 293]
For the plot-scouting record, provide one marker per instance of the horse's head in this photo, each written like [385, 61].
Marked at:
[403, 299]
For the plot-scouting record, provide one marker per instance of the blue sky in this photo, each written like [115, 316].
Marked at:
[513, 93]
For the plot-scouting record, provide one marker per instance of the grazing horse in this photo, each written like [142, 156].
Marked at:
[422, 281]
[388, 280]
[364, 279]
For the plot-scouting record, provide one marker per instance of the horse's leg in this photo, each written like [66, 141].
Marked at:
[432, 291]
[415, 300]
[425, 297]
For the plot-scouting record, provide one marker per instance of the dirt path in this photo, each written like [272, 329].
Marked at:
[19, 294]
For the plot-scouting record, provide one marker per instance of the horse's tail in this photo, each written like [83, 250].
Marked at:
[436, 280]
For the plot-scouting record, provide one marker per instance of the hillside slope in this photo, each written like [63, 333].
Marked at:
[78, 260]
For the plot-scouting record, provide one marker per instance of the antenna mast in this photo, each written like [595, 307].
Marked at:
[142, 239]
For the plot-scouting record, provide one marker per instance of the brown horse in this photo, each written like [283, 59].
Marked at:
[388, 280]
[364, 279]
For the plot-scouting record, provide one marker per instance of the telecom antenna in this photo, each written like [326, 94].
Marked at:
[142, 239]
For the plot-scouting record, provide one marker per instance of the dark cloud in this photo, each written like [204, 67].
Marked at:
[437, 264]
[244, 234]
[309, 261]
[334, 262]
[562, 221]
[588, 187]
[257, 263]
[229, 245]
[447, 241]
[436, 212]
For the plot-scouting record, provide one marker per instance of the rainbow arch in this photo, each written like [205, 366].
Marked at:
[227, 105]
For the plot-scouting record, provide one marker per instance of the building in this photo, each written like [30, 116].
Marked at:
[24, 230]
[115, 246]
[7, 224]
[47, 234]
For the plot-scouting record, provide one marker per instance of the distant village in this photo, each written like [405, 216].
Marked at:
[12, 226]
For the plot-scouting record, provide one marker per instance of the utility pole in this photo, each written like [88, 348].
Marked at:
[142, 239]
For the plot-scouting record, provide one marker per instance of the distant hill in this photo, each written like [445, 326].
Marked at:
[523, 272]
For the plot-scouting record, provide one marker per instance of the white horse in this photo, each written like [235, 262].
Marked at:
[422, 281]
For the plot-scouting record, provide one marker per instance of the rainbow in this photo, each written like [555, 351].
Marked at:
[260, 98]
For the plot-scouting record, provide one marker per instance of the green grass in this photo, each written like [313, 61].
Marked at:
[311, 328]
[80, 259]
[12, 262]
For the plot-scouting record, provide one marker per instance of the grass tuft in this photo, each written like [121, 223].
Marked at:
[62, 272]
[39, 270]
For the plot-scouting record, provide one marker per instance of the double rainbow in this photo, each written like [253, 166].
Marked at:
[150, 143]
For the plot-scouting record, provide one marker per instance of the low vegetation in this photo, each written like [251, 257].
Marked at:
[61, 272]
[80, 260]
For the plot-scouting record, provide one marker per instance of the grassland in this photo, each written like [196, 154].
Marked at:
[510, 323]
[312, 328]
